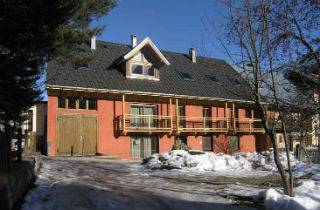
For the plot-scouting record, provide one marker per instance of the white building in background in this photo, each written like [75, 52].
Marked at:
[36, 121]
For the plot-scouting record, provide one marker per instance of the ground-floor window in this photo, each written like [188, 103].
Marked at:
[143, 146]
[182, 140]
[207, 143]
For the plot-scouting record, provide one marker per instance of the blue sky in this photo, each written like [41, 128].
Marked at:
[174, 25]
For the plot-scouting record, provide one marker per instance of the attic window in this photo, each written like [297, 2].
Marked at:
[212, 78]
[81, 64]
[144, 70]
[234, 81]
[186, 75]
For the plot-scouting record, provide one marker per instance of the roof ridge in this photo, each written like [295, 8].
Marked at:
[163, 51]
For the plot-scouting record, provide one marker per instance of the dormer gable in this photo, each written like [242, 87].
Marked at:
[144, 61]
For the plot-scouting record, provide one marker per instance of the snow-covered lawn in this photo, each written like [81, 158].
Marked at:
[307, 196]
[95, 183]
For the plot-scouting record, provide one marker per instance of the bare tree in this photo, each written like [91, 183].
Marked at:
[250, 33]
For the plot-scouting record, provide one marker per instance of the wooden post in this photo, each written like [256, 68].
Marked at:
[226, 115]
[177, 114]
[252, 121]
[234, 115]
[170, 114]
[123, 113]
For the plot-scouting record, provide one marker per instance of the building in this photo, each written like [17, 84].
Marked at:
[133, 100]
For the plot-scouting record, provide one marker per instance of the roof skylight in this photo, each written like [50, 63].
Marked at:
[212, 78]
[186, 75]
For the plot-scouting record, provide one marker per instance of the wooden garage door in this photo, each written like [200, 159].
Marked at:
[76, 135]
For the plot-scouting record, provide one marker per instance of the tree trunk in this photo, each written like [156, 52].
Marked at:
[284, 178]
[290, 189]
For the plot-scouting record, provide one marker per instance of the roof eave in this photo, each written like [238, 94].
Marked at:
[130, 92]
[137, 48]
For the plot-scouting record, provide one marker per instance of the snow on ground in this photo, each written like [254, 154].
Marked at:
[98, 184]
[307, 196]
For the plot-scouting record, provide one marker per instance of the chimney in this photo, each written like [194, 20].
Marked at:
[192, 54]
[93, 42]
[133, 40]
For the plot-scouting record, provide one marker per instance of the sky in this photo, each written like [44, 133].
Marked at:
[174, 25]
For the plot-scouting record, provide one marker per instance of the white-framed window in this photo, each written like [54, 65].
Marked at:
[142, 70]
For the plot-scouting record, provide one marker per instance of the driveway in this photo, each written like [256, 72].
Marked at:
[96, 183]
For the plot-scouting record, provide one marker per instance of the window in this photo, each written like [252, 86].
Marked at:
[72, 103]
[81, 64]
[182, 139]
[142, 147]
[207, 143]
[248, 113]
[62, 102]
[182, 113]
[92, 104]
[280, 137]
[77, 103]
[143, 70]
[136, 69]
[186, 76]
[149, 70]
[212, 78]
[234, 81]
[143, 110]
[207, 115]
[82, 103]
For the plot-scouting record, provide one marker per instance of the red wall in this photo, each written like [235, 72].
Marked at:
[111, 143]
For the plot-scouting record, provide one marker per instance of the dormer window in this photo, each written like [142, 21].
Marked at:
[146, 70]
[144, 61]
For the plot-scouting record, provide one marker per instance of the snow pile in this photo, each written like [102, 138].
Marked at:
[209, 161]
[307, 196]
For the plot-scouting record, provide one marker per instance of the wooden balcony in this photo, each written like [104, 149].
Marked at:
[248, 125]
[202, 124]
[129, 123]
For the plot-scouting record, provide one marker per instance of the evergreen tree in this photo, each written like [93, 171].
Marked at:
[33, 32]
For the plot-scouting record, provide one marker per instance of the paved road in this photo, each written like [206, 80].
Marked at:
[93, 183]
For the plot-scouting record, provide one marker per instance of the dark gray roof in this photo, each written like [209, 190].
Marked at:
[105, 73]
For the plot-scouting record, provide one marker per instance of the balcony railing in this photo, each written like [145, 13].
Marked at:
[145, 123]
[248, 125]
[202, 124]
[156, 123]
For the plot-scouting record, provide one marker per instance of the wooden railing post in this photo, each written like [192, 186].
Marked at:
[226, 115]
[149, 122]
[170, 114]
[252, 120]
[177, 114]
[234, 116]
[123, 113]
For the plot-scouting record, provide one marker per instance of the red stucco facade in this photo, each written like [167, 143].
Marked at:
[110, 142]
